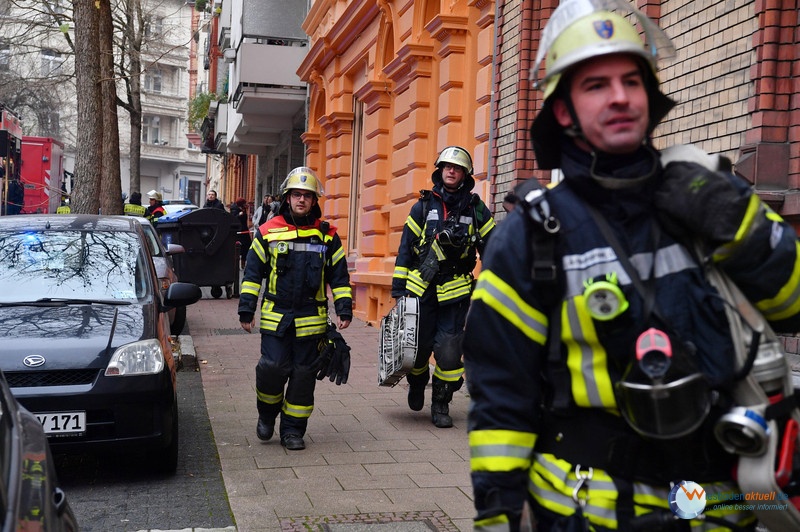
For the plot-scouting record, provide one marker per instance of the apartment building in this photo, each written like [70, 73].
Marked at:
[171, 160]
[37, 82]
[253, 134]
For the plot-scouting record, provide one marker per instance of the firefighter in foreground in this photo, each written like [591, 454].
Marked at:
[298, 254]
[595, 385]
[437, 254]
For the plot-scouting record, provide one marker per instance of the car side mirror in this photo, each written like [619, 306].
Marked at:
[175, 249]
[182, 294]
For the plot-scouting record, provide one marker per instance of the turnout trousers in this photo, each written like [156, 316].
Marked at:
[285, 380]
[441, 331]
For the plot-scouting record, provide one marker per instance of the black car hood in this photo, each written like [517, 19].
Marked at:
[73, 335]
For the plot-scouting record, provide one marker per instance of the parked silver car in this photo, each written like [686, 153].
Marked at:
[162, 259]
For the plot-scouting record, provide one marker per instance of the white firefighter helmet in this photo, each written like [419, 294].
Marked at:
[455, 155]
[303, 178]
[153, 194]
[580, 30]
[584, 29]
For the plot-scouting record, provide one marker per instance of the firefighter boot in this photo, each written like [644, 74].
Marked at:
[440, 403]
[416, 397]
[417, 381]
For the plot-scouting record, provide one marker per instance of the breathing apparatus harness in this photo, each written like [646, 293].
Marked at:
[761, 431]
[450, 237]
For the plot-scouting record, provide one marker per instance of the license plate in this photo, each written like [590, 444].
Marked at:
[63, 423]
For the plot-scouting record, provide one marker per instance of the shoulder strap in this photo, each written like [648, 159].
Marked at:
[545, 227]
[425, 199]
[544, 272]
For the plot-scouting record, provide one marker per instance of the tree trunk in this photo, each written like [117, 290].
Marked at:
[88, 161]
[134, 16]
[110, 180]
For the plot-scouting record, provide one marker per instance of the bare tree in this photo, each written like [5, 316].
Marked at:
[43, 20]
[111, 183]
[89, 159]
[37, 69]
[131, 23]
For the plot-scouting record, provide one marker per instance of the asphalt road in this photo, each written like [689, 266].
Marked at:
[118, 493]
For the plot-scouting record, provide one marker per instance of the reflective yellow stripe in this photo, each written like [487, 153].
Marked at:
[500, 450]
[552, 482]
[297, 411]
[490, 223]
[586, 357]
[269, 399]
[454, 289]
[401, 272]
[450, 376]
[337, 256]
[554, 492]
[419, 371]
[437, 249]
[751, 217]
[137, 210]
[415, 284]
[500, 297]
[787, 302]
[269, 319]
[413, 226]
[259, 249]
[343, 291]
[497, 523]
[311, 325]
[249, 287]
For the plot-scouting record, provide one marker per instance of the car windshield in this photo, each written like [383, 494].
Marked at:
[72, 266]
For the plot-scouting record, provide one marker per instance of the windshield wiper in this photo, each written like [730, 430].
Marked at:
[62, 302]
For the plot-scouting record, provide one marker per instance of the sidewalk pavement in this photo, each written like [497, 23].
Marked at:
[370, 462]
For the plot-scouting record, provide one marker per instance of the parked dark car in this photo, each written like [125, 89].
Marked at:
[32, 498]
[165, 270]
[86, 335]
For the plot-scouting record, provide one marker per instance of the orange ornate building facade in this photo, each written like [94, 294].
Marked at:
[392, 82]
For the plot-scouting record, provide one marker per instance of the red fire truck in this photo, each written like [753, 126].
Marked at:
[10, 159]
[42, 174]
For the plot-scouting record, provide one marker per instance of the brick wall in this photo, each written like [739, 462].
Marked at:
[709, 78]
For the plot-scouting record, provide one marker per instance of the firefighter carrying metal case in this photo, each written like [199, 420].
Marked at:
[397, 347]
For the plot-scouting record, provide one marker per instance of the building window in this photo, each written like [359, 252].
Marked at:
[152, 81]
[151, 130]
[356, 171]
[154, 27]
[51, 62]
[5, 57]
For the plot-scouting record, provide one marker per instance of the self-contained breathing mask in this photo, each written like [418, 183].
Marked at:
[662, 395]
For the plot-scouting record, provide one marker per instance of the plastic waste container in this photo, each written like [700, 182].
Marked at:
[208, 237]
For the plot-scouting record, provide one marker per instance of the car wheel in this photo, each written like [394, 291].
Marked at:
[178, 322]
[165, 460]
[216, 291]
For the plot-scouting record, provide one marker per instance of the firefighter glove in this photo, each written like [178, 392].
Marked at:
[323, 364]
[334, 358]
[430, 264]
[697, 201]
